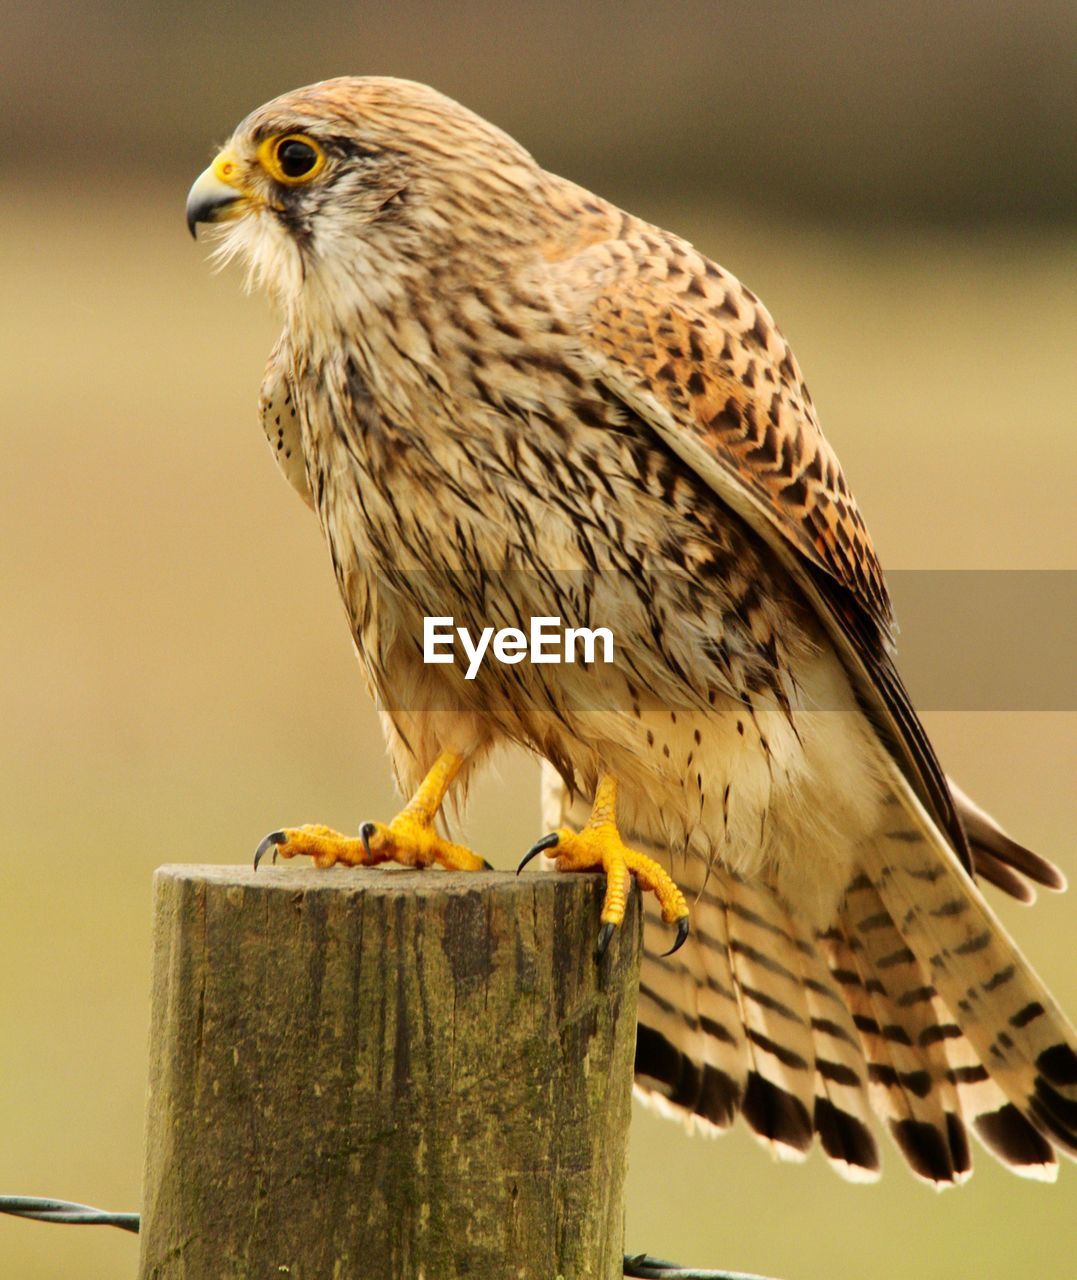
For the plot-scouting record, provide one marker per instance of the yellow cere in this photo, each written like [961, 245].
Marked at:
[225, 169]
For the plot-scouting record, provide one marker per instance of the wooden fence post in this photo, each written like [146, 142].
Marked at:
[373, 1075]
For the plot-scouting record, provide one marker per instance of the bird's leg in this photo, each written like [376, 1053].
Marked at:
[599, 847]
[411, 838]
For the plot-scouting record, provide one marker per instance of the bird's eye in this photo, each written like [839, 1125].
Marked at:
[292, 159]
[296, 158]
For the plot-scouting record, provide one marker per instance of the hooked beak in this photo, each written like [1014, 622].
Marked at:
[216, 195]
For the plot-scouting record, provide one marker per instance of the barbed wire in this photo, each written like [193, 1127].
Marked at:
[640, 1266]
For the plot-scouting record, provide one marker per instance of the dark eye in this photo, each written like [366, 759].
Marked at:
[296, 158]
[293, 159]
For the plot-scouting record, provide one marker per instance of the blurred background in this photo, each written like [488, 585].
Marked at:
[895, 181]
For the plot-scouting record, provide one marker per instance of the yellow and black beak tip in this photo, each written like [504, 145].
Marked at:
[211, 199]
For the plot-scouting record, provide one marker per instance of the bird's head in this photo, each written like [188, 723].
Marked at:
[353, 178]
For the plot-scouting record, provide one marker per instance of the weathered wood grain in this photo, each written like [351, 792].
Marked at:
[380, 1074]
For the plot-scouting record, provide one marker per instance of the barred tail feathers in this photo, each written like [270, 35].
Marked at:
[989, 992]
[913, 1003]
[700, 1070]
[903, 1041]
[778, 1099]
[1000, 1127]
[842, 1112]
[779, 1044]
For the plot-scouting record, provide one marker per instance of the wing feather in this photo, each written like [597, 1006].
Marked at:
[694, 354]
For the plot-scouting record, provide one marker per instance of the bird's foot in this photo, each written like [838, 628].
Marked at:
[408, 840]
[599, 847]
[411, 838]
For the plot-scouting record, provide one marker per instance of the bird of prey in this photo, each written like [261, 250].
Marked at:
[505, 398]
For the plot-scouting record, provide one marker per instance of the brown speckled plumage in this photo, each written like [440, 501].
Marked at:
[503, 397]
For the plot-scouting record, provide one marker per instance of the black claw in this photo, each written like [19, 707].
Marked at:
[682, 936]
[540, 846]
[365, 832]
[271, 841]
[486, 866]
[604, 935]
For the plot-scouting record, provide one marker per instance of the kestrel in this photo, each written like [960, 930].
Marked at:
[504, 398]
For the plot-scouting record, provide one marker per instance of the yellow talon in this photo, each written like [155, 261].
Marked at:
[598, 846]
[410, 839]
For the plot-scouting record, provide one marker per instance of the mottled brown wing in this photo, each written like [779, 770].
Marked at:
[695, 354]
